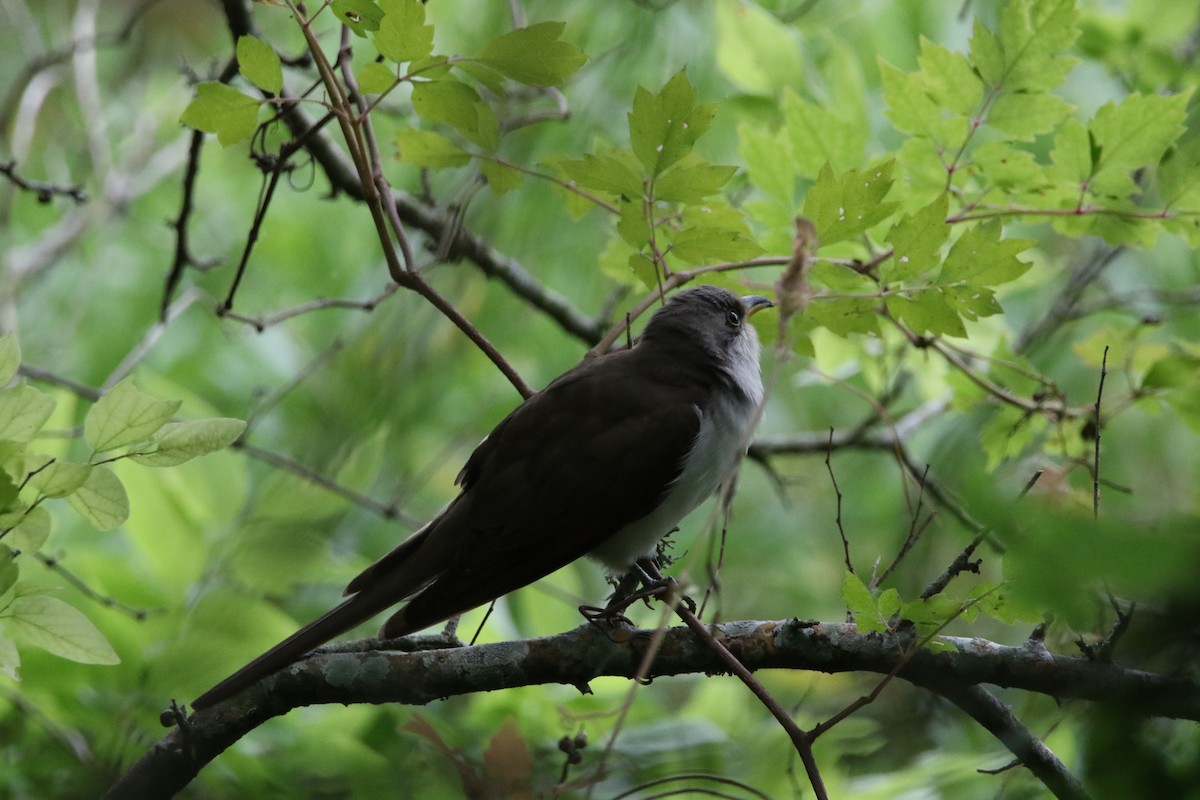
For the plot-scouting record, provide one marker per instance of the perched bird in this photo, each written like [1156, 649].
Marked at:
[603, 462]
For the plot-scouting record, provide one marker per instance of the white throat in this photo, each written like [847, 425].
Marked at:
[725, 430]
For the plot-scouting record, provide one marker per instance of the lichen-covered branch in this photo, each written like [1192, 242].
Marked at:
[578, 656]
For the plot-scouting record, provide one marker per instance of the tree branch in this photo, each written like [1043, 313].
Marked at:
[576, 657]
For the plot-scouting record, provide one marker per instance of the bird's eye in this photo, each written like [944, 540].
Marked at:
[733, 318]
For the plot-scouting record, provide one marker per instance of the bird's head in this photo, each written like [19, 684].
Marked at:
[710, 322]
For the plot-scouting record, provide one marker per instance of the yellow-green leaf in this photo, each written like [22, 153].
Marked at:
[9, 571]
[183, 441]
[259, 63]
[23, 412]
[126, 415]
[58, 478]
[56, 627]
[375, 78]
[32, 531]
[429, 149]
[222, 110]
[457, 104]
[403, 34]
[359, 16]
[101, 500]
[501, 178]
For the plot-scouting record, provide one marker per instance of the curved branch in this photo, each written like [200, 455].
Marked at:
[576, 657]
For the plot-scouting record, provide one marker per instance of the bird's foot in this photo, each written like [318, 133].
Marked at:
[608, 620]
[655, 585]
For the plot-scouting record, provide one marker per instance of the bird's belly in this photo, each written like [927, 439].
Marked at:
[724, 436]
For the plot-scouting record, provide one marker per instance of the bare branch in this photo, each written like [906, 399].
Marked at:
[1000, 721]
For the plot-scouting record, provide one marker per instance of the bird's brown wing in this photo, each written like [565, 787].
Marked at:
[573, 465]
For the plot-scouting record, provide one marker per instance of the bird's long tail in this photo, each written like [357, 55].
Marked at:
[335, 622]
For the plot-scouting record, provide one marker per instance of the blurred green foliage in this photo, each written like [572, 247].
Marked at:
[1016, 183]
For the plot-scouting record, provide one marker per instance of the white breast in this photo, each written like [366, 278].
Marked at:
[724, 435]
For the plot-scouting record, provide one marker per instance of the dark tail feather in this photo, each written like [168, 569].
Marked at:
[334, 623]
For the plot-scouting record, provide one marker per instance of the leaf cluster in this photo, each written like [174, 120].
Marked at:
[125, 423]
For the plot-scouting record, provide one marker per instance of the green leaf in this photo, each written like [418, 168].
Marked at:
[375, 78]
[645, 270]
[125, 415]
[534, 55]
[1034, 34]
[663, 127]
[845, 315]
[1137, 131]
[861, 604]
[180, 442]
[756, 51]
[1172, 371]
[58, 478]
[948, 78]
[889, 603]
[971, 301]
[429, 149]
[359, 16]
[691, 183]
[909, 107]
[1179, 174]
[10, 659]
[10, 358]
[1025, 116]
[706, 245]
[259, 63]
[1072, 154]
[927, 311]
[986, 54]
[101, 500]
[23, 412]
[32, 531]
[818, 136]
[632, 224]
[8, 492]
[403, 34]
[981, 258]
[56, 627]
[500, 177]
[606, 173]
[841, 207]
[1007, 167]
[768, 161]
[222, 110]
[12, 458]
[916, 241]
[9, 571]
[457, 104]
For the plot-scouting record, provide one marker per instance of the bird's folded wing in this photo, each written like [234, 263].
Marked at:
[591, 453]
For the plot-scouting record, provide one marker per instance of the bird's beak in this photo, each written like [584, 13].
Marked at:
[755, 302]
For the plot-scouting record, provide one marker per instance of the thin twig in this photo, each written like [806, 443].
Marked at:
[837, 490]
[914, 533]
[45, 191]
[801, 740]
[55, 564]
[1097, 422]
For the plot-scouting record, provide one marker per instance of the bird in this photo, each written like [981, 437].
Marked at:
[604, 462]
